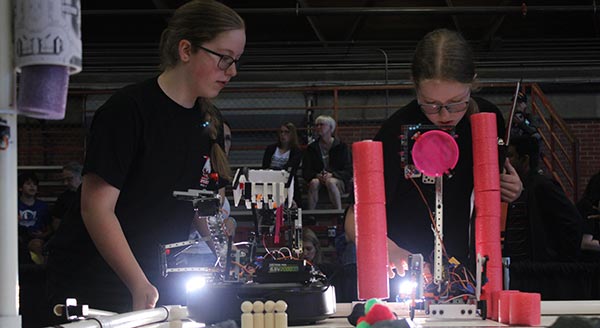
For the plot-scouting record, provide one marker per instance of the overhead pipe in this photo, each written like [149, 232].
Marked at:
[386, 71]
[328, 11]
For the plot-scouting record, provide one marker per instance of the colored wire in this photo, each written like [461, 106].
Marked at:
[437, 233]
[289, 251]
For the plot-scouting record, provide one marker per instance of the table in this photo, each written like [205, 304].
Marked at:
[551, 310]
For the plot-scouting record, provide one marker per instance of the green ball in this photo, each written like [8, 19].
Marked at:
[363, 324]
[370, 304]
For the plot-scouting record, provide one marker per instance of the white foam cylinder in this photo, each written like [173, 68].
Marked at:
[9, 284]
[171, 313]
[47, 50]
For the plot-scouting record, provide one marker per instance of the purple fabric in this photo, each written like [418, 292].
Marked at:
[42, 91]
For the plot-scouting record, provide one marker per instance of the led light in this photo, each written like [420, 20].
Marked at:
[407, 287]
[195, 284]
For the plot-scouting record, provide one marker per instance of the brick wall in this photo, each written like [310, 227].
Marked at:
[50, 145]
[587, 131]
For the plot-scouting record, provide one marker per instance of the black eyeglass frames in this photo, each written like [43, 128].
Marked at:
[225, 61]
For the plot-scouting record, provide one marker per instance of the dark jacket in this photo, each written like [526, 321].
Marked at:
[340, 162]
[543, 224]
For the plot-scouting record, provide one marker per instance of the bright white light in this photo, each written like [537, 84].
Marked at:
[194, 284]
[407, 287]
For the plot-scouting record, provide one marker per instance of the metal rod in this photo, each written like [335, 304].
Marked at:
[9, 281]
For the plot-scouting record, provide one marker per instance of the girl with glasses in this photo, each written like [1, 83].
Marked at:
[443, 73]
[146, 141]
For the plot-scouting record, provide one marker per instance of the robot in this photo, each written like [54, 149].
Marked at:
[451, 292]
[253, 270]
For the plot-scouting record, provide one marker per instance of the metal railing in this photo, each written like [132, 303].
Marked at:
[559, 142]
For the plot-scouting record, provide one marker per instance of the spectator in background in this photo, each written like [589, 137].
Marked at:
[346, 253]
[588, 207]
[326, 163]
[311, 247]
[34, 217]
[522, 124]
[312, 252]
[542, 225]
[71, 176]
[226, 137]
[285, 155]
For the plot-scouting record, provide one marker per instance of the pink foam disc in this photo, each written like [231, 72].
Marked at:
[435, 152]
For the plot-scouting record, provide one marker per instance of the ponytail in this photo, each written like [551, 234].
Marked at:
[218, 158]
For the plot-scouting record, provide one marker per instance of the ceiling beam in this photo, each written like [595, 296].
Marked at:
[488, 37]
[327, 11]
[311, 22]
[454, 18]
[358, 23]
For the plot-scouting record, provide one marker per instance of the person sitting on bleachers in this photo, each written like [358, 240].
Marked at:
[34, 217]
[286, 153]
[542, 225]
[588, 207]
[326, 162]
[71, 176]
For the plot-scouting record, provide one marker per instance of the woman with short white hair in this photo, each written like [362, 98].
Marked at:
[326, 163]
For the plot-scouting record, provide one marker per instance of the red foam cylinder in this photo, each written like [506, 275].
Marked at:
[525, 309]
[487, 233]
[369, 188]
[371, 250]
[492, 306]
[488, 290]
[486, 177]
[370, 220]
[494, 282]
[486, 181]
[485, 151]
[492, 250]
[504, 305]
[483, 125]
[367, 156]
[487, 203]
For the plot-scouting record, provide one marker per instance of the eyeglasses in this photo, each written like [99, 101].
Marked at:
[225, 61]
[451, 108]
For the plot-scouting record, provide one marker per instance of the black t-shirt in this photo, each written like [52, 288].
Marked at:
[146, 145]
[408, 222]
